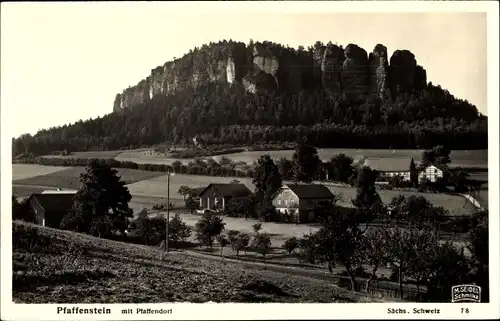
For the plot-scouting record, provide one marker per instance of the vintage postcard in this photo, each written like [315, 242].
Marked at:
[249, 160]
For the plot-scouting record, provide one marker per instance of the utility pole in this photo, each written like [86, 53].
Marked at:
[168, 211]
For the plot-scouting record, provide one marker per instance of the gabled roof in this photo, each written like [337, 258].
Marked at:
[308, 191]
[55, 202]
[440, 166]
[59, 191]
[228, 189]
[387, 164]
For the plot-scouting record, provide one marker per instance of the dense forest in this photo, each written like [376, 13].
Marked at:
[216, 113]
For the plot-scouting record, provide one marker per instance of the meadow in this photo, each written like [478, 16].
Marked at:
[23, 171]
[68, 177]
[154, 184]
[157, 187]
[462, 158]
[54, 266]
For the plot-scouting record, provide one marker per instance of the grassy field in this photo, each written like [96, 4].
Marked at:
[154, 184]
[23, 171]
[157, 186]
[69, 176]
[95, 154]
[463, 158]
[66, 267]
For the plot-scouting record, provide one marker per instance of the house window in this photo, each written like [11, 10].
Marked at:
[279, 202]
[435, 171]
[286, 202]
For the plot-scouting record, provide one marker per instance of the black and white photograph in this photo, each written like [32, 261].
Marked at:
[242, 152]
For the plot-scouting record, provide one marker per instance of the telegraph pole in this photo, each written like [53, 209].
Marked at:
[168, 211]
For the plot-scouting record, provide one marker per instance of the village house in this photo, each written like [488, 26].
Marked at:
[301, 200]
[216, 196]
[388, 168]
[432, 173]
[49, 207]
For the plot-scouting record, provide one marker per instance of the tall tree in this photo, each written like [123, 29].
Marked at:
[306, 162]
[266, 178]
[340, 241]
[479, 248]
[438, 155]
[342, 168]
[208, 228]
[367, 200]
[101, 204]
[285, 167]
[184, 190]
[413, 173]
[448, 258]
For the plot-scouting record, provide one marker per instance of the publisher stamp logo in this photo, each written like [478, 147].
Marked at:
[466, 293]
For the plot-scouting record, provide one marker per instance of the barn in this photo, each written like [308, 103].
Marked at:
[217, 196]
[49, 208]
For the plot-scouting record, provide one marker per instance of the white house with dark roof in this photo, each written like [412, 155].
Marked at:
[301, 199]
[432, 172]
[391, 167]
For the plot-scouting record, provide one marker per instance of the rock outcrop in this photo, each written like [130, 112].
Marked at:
[332, 69]
[402, 71]
[263, 67]
[420, 78]
[355, 72]
[379, 72]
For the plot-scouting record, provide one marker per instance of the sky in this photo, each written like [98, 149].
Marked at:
[62, 62]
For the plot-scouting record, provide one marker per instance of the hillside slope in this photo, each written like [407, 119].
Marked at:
[54, 266]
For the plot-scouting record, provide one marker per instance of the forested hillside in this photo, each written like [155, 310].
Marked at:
[217, 112]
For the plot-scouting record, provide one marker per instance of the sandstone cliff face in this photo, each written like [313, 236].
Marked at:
[332, 69]
[402, 71]
[420, 78]
[349, 72]
[230, 71]
[379, 72]
[355, 71]
[317, 58]
[156, 82]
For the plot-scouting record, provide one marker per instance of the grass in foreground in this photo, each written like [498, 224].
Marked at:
[70, 177]
[68, 267]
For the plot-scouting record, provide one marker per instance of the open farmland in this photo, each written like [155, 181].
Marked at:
[154, 185]
[157, 187]
[77, 268]
[463, 158]
[94, 154]
[24, 171]
[476, 158]
[69, 177]
[472, 158]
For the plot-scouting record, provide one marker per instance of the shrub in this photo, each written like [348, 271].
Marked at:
[232, 236]
[223, 242]
[257, 227]
[290, 245]
[208, 227]
[262, 244]
[241, 243]
[178, 230]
